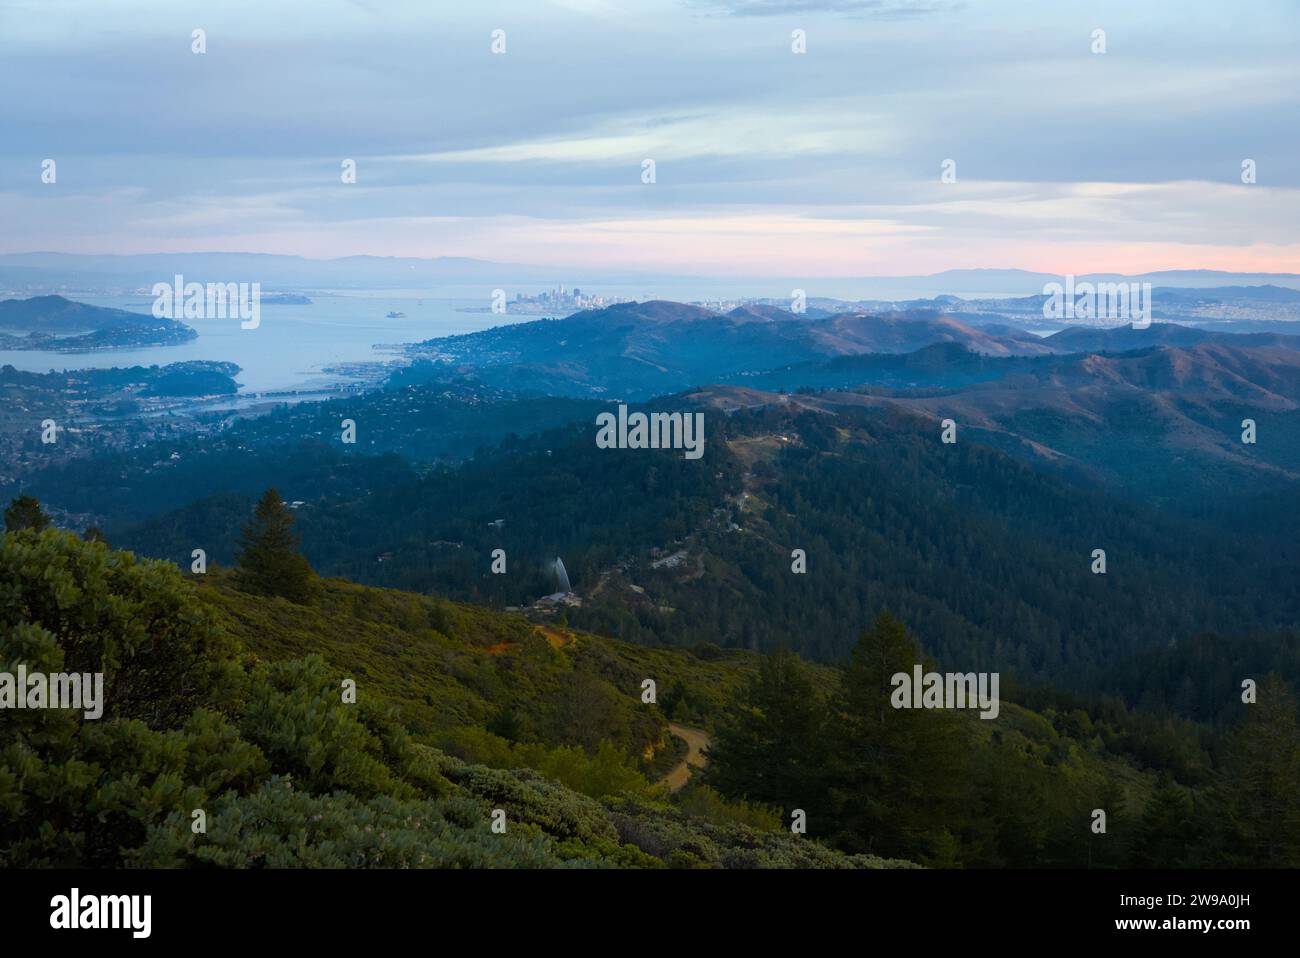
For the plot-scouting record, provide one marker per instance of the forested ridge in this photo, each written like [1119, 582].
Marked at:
[988, 560]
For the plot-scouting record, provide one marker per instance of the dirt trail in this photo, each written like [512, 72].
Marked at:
[697, 740]
[557, 638]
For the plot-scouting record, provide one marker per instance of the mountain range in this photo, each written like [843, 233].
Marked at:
[639, 350]
[43, 271]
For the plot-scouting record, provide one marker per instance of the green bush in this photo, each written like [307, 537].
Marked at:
[288, 774]
[280, 826]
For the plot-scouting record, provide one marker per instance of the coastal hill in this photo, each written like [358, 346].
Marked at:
[56, 323]
[639, 350]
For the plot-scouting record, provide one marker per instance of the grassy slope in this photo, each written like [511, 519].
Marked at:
[449, 667]
[445, 665]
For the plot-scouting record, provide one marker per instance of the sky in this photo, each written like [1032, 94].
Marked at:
[767, 161]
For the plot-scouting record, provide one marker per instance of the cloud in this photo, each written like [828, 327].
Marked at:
[826, 162]
[777, 130]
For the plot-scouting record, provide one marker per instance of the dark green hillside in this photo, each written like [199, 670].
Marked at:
[987, 559]
[1019, 788]
[236, 705]
[446, 665]
[297, 449]
[285, 771]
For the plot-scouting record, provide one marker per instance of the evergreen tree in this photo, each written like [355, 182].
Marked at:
[1261, 784]
[1165, 834]
[900, 775]
[1011, 822]
[25, 512]
[269, 562]
[771, 748]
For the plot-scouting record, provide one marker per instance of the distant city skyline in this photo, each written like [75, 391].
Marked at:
[767, 162]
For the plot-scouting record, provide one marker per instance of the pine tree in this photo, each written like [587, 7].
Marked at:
[771, 748]
[900, 779]
[269, 562]
[95, 534]
[1165, 834]
[25, 512]
[1261, 784]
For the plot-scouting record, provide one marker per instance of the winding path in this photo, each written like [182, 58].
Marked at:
[697, 740]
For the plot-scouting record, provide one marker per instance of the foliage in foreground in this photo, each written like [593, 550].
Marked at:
[947, 788]
[283, 770]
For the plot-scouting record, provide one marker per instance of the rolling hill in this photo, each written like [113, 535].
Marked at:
[638, 350]
[668, 550]
[1163, 422]
[52, 322]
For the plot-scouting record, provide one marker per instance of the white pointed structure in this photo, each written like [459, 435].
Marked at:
[561, 577]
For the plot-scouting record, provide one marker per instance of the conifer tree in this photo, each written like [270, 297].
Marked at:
[771, 749]
[1261, 784]
[25, 512]
[269, 562]
[900, 779]
[1165, 834]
